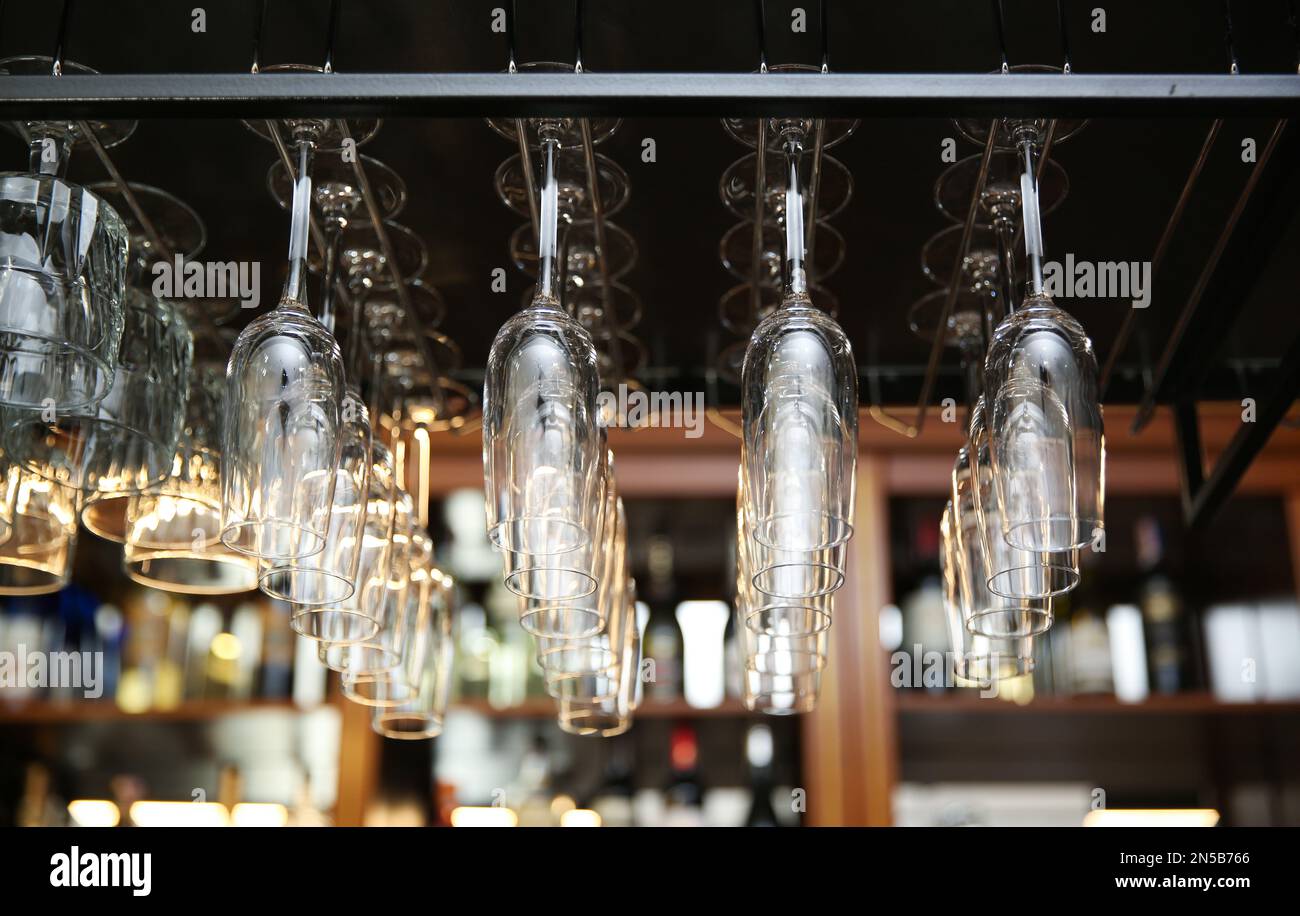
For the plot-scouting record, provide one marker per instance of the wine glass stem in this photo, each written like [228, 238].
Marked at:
[1006, 237]
[548, 228]
[1032, 218]
[796, 280]
[327, 296]
[353, 366]
[295, 285]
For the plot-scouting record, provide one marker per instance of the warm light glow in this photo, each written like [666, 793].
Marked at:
[562, 805]
[94, 812]
[179, 814]
[1151, 817]
[422, 481]
[580, 817]
[484, 817]
[226, 647]
[249, 814]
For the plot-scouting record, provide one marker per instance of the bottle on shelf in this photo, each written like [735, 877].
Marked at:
[1162, 612]
[684, 799]
[663, 639]
[758, 754]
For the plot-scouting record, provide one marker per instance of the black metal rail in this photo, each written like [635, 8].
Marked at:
[631, 94]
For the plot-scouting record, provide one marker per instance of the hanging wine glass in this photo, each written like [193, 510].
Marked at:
[1013, 573]
[585, 654]
[564, 597]
[799, 389]
[41, 524]
[782, 671]
[320, 582]
[978, 660]
[401, 636]
[542, 445]
[173, 532]
[358, 617]
[284, 389]
[984, 612]
[605, 707]
[1047, 443]
[63, 258]
[317, 582]
[427, 660]
[805, 580]
[382, 577]
[126, 444]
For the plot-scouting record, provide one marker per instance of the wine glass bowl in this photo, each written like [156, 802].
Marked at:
[541, 441]
[799, 393]
[984, 612]
[1047, 440]
[63, 260]
[281, 435]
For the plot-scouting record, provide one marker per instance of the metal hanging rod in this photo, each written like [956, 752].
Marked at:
[522, 95]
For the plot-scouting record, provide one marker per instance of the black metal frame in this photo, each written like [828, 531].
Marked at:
[522, 95]
[1204, 496]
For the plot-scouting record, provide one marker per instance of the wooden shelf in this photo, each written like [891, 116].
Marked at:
[544, 708]
[43, 712]
[1191, 703]
[73, 711]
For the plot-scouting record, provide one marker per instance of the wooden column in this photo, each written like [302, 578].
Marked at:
[359, 749]
[851, 748]
[1293, 529]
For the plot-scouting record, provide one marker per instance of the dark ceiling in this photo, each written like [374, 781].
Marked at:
[1125, 174]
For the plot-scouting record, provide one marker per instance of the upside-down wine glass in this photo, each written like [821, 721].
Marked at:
[63, 258]
[320, 585]
[1047, 445]
[124, 444]
[542, 446]
[800, 409]
[284, 390]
